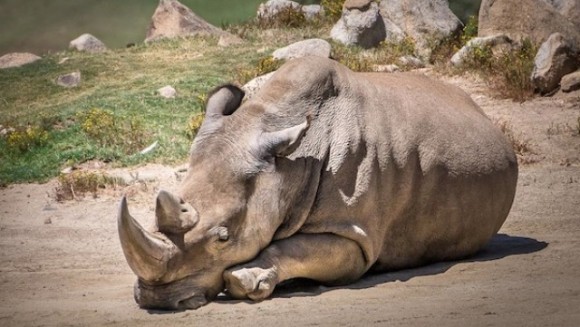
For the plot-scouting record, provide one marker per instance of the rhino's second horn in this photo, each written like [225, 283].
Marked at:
[147, 253]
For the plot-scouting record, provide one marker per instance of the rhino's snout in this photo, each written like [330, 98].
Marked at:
[168, 297]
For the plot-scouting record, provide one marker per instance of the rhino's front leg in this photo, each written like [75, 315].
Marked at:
[326, 258]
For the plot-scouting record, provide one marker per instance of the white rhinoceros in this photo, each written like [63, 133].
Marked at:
[324, 174]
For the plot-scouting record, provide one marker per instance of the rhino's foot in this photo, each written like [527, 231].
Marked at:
[253, 283]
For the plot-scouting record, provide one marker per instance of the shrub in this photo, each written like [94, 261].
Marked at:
[24, 139]
[193, 125]
[112, 131]
[262, 66]
[287, 17]
[78, 183]
[332, 8]
[361, 60]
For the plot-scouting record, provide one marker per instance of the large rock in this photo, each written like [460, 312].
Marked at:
[87, 43]
[533, 19]
[360, 24]
[426, 21]
[172, 19]
[311, 47]
[271, 8]
[17, 59]
[555, 59]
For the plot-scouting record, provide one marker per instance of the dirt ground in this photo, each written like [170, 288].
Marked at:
[61, 264]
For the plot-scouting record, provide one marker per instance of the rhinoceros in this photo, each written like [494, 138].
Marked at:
[324, 174]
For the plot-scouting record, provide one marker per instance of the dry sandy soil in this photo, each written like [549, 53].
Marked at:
[61, 263]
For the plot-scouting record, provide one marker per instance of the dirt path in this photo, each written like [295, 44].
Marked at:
[61, 263]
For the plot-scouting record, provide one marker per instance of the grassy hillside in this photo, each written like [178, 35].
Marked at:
[116, 112]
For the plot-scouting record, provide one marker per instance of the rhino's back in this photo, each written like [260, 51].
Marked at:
[419, 174]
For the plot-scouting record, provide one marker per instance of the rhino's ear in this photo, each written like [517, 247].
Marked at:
[223, 101]
[283, 143]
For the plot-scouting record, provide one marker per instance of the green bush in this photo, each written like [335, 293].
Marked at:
[332, 8]
[112, 131]
[24, 139]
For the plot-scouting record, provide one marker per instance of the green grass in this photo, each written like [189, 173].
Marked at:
[122, 82]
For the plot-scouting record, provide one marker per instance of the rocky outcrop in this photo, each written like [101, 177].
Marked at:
[172, 19]
[360, 24]
[532, 19]
[311, 47]
[271, 8]
[555, 59]
[87, 43]
[426, 21]
[17, 59]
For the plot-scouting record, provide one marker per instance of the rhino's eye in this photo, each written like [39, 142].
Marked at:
[223, 234]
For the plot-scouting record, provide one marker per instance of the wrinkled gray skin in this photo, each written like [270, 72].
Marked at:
[324, 174]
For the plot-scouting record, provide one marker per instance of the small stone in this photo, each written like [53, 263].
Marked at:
[386, 68]
[17, 59]
[356, 4]
[63, 60]
[311, 47]
[87, 43]
[48, 221]
[69, 80]
[410, 61]
[167, 92]
[570, 82]
[253, 86]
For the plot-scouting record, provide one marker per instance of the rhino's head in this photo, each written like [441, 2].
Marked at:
[218, 219]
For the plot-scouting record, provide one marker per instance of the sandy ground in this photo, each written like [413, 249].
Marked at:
[61, 263]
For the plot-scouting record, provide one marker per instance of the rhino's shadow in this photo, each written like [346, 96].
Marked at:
[499, 246]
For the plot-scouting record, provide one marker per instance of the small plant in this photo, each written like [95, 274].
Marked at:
[332, 8]
[24, 139]
[469, 30]
[263, 66]
[290, 16]
[112, 131]
[193, 125]
[79, 183]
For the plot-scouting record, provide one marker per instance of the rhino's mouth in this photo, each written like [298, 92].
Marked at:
[178, 295]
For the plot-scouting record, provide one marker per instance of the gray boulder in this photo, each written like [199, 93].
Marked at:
[271, 8]
[17, 59]
[428, 22]
[360, 24]
[533, 19]
[493, 41]
[87, 43]
[172, 20]
[570, 82]
[555, 59]
[311, 47]
[69, 80]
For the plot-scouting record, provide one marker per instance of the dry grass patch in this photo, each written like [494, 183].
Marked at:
[78, 184]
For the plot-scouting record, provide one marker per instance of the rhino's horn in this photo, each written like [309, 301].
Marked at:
[173, 214]
[147, 253]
